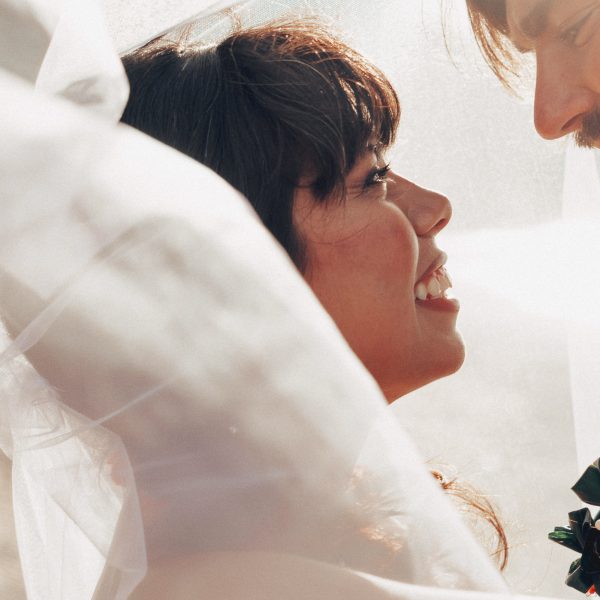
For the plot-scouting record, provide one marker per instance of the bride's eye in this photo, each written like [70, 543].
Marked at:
[377, 176]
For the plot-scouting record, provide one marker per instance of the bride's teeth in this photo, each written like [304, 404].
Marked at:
[445, 281]
[445, 273]
[433, 287]
[421, 291]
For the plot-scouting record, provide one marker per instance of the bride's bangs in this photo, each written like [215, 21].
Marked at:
[325, 101]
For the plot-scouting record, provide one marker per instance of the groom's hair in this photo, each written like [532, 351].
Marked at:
[490, 26]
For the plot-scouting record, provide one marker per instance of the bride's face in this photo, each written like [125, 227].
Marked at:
[374, 265]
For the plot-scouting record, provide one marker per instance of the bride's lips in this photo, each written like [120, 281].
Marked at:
[431, 290]
[443, 304]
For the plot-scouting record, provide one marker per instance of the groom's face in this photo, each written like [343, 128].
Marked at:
[564, 36]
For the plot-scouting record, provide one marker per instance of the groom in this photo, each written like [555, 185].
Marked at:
[564, 36]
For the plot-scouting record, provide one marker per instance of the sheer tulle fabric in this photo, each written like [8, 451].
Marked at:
[208, 431]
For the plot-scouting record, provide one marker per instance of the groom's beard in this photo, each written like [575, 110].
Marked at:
[588, 135]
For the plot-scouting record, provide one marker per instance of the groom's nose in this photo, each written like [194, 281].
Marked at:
[564, 92]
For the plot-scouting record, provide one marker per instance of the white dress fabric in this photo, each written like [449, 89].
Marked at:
[209, 433]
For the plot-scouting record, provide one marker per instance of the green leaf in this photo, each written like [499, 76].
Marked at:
[565, 537]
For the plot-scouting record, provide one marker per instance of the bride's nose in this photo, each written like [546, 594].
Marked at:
[427, 211]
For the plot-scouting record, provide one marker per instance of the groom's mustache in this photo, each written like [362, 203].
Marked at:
[588, 135]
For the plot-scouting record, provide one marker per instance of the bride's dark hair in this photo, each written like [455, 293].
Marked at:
[266, 108]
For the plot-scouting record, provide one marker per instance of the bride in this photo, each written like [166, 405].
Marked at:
[300, 123]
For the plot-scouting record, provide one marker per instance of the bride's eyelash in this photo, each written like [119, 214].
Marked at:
[377, 176]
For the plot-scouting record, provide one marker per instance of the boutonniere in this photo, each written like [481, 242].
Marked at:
[583, 534]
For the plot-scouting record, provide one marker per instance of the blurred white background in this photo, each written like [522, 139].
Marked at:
[521, 252]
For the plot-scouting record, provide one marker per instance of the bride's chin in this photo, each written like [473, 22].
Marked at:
[443, 365]
[452, 360]
[457, 356]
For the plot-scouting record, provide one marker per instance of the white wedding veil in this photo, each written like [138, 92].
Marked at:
[208, 432]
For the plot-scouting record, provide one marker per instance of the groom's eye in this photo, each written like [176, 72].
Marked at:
[580, 32]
